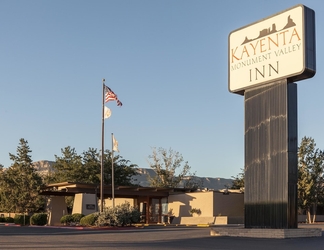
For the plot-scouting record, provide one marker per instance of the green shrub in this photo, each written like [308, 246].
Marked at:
[21, 219]
[121, 215]
[2, 219]
[9, 219]
[127, 214]
[89, 220]
[66, 219]
[39, 219]
[77, 217]
[135, 216]
[108, 217]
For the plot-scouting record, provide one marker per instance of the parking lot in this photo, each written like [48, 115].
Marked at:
[153, 237]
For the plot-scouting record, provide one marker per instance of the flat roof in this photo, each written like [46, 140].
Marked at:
[72, 188]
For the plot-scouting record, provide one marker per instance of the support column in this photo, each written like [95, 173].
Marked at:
[271, 145]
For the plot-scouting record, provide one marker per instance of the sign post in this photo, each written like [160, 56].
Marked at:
[264, 60]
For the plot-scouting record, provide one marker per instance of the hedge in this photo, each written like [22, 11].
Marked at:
[9, 219]
[89, 220]
[21, 219]
[66, 219]
[77, 217]
[39, 219]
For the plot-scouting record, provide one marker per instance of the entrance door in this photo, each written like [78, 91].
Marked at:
[154, 211]
[142, 203]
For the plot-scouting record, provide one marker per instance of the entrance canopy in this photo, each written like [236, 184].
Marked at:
[72, 188]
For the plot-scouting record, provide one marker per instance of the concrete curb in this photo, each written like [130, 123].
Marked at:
[9, 225]
[173, 225]
[137, 226]
[87, 228]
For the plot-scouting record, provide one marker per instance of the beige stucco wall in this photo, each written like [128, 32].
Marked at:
[118, 201]
[182, 203]
[5, 214]
[212, 205]
[228, 205]
[57, 208]
[85, 204]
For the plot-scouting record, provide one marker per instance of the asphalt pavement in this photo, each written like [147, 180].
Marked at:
[151, 237]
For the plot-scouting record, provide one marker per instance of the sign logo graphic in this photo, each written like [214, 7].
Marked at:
[275, 48]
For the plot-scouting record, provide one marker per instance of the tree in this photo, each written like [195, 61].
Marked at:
[69, 167]
[91, 166]
[310, 177]
[86, 168]
[123, 170]
[20, 183]
[170, 170]
[238, 181]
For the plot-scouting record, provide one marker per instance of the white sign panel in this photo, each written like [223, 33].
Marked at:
[272, 49]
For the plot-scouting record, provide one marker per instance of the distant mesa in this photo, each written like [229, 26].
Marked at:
[44, 167]
[208, 182]
[268, 31]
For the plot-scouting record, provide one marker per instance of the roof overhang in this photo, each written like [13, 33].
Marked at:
[71, 188]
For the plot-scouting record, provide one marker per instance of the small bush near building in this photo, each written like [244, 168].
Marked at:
[21, 219]
[107, 218]
[77, 217]
[127, 215]
[121, 215]
[9, 219]
[89, 220]
[2, 219]
[66, 219]
[39, 219]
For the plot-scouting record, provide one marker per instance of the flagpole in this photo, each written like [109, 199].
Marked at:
[112, 170]
[102, 147]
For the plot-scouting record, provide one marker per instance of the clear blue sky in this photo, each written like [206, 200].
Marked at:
[166, 61]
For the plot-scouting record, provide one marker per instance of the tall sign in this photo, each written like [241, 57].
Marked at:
[264, 60]
[279, 47]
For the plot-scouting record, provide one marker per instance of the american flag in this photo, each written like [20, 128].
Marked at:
[111, 96]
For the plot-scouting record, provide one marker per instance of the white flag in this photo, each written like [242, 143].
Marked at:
[107, 113]
[115, 144]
